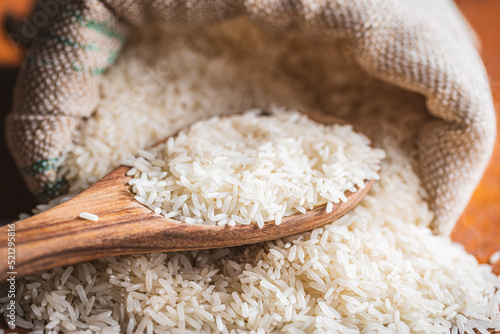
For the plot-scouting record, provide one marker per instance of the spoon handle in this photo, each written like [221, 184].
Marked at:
[59, 236]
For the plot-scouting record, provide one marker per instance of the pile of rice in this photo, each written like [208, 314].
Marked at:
[253, 168]
[377, 269]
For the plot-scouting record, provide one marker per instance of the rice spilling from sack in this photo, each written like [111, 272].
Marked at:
[253, 168]
[377, 269]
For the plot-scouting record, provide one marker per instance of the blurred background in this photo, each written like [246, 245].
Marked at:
[479, 227]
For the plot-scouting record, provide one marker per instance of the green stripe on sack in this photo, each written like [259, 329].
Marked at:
[92, 71]
[112, 57]
[51, 189]
[40, 167]
[67, 41]
[105, 29]
[101, 27]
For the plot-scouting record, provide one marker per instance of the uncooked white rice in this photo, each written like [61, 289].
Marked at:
[494, 258]
[252, 168]
[88, 216]
[377, 269]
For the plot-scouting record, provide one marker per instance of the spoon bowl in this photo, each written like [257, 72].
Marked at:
[59, 237]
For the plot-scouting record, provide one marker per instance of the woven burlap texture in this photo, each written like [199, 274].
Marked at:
[420, 45]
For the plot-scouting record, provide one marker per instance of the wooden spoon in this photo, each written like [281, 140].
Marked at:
[59, 237]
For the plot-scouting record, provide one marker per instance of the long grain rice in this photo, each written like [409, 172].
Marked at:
[400, 278]
[276, 165]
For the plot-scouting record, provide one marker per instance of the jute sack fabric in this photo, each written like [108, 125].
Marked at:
[423, 46]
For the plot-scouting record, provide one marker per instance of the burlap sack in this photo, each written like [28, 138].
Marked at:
[420, 45]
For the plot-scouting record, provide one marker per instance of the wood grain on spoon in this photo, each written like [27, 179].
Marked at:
[59, 237]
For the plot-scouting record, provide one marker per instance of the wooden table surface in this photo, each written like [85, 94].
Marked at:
[479, 227]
